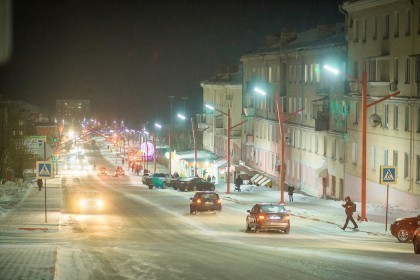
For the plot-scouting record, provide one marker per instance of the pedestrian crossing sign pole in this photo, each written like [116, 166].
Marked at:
[44, 170]
[388, 175]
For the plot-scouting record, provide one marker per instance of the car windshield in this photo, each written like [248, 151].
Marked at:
[90, 195]
[208, 196]
[272, 208]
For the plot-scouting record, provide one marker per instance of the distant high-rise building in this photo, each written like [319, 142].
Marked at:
[72, 110]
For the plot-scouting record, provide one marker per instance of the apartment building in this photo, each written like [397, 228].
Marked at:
[291, 67]
[223, 92]
[384, 41]
[72, 111]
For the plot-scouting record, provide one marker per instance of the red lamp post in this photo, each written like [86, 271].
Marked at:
[229, 128]
[365, 106]
[281, 119]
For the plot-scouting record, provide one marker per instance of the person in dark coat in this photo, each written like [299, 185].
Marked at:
[349, 207]
[238, 183]
[290, 191]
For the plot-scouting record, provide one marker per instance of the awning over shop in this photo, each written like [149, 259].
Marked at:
[202, 156]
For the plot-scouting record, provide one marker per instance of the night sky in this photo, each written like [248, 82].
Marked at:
[128, 56]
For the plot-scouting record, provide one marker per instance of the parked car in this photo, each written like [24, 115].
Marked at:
[205, 201]
[403, 228]
[268, 216]
[195, 184]
[156, 180]
[90, 201]
[119, 171]
[102, 171]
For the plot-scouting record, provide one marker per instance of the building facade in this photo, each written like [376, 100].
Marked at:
[384, 41]
[72, 111]
[314, 138]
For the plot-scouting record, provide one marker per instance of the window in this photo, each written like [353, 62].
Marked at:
[290, 73]
[354, 153]
[386, 27]
[364, 31]
[379, 70]
[317, 73]
[407, 119]
[407, 70]
[386, 116]
[270, 74]
[356, 31]
[385, 157]
[417, 168]
[334, 149]
[396, 117]
[325, 146]
[417, 71]
[396, 71]
[375, 28]
[406, 166]
[341, 150]
[396, 24]
[356, 112]
[316, 143]
[306, 73]
[395, 158]
[373, 156]
[408, 23]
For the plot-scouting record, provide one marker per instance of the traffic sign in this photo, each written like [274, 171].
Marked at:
[388, 175]
[44, 170]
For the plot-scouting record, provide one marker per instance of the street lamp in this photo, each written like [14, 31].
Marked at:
[171, 97]
[281, 119]
[365, 106]
[228, 142]
[195, 142]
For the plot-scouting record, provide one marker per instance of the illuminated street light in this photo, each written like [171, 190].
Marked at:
[195, 142]
[365, 106]
[228, 142]
[281, 119]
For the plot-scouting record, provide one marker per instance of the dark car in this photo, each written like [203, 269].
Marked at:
[268, 216]
[403, 228]
[119, 171]
[416, 241]
[195, 184]
[102, 171]
[205, 201]
[156, 180]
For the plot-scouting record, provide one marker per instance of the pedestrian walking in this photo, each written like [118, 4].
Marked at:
[238, 183]
[350, 208]
[209, 178]
[213, 179]
[40, 184]
[290, 191]
[122, 161]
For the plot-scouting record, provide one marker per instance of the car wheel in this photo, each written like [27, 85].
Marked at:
[255, 227]
[287, 230]
[416, 244]
[403, 234]
[248, 228]
[192, 211]
[150, 187]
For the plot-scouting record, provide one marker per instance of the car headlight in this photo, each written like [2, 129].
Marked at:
[100, 203]
[82, 202]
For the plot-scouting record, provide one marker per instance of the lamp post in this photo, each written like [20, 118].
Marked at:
[365, 106]
[195, 142]
[281, 119]
[228, 142]
[171, 97]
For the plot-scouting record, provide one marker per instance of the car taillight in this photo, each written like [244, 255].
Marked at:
[261, 217]
[198, 201]
[287, 217]
[219, 201]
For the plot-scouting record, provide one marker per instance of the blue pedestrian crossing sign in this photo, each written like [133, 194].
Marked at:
[388, 175]
[44, 170]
